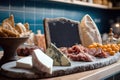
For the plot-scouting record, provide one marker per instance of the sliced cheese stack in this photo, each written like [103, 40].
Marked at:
[41, 61]
[25, 62]
[89, 32]
[59, 59]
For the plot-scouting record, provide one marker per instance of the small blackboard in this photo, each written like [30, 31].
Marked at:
[62, 32]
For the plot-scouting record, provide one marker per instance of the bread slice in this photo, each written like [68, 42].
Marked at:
[6, 25]
[9, 20]
[2, 34]
[20, 28]
[9, 33]
[26, 26]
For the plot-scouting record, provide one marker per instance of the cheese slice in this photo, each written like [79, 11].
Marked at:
[59, 59]
[25, 62]
[41, 61]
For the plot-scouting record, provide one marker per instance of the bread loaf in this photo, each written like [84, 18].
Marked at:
[89, 32]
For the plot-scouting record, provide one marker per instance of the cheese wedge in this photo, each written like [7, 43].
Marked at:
[41, 61]
[25, 62]
[59, 59]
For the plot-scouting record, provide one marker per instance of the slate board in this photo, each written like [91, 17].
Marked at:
[9, 69]
[62, 32]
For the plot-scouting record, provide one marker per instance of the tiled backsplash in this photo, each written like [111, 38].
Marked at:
[34, 11]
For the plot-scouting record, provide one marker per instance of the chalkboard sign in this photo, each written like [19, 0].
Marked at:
[62, 32]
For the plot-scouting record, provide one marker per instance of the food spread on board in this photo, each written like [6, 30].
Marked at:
[53, 59]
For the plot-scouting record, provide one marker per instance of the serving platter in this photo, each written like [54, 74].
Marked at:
[10, 70]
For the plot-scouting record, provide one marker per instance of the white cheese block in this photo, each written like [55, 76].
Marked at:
[25, 62]
[41, 61]
[59, 59]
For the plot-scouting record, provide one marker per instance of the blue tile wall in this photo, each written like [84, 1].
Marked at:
[30, 17]
[34, 11]
[3, 15]
[18, 16]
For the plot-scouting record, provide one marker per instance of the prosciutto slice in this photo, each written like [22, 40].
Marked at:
[77, 53]
[98, 53]
[81, 57]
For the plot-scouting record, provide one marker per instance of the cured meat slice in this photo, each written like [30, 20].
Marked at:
[64, 49]
[77, 53]
[77, 49]
[81, 53]
[98, 52]
[81, 57]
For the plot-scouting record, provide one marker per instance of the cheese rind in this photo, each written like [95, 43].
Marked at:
[41, 61]
[25, 62]
[59, 59]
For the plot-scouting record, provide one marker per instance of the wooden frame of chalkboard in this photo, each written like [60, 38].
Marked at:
[61, 31]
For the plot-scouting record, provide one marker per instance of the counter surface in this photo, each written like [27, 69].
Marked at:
[96, 74]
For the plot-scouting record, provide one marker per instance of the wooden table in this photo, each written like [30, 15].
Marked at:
[96, 74]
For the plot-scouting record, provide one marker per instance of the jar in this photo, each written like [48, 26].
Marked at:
[105, 2]
[90, 1]
[111, 39]
[97, 2]
[40, 40]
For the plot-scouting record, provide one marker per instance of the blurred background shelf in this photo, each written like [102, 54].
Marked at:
[115, 8]
[77, 2]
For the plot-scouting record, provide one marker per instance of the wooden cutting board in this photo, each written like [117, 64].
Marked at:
[10, 70]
